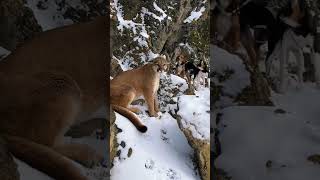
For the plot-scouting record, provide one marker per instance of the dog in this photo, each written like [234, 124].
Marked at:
[196, 75]
[259, 17]
[201, 79]
[292, 42]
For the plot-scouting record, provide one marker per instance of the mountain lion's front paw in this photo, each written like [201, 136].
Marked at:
[154, 114]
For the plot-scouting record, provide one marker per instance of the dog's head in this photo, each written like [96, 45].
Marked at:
[182, 58]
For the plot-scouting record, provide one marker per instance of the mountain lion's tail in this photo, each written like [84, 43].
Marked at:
[131, 116]
[44, 159]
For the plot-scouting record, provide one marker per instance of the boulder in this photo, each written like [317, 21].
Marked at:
[17, 23]
[113, 132]
[315, 159]
[164, 35]
[115, 67]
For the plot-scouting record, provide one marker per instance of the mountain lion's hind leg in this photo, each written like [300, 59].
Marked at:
[123, 95]
[58, 102]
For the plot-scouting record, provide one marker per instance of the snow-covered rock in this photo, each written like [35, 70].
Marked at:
[272, 143]
[193, 116]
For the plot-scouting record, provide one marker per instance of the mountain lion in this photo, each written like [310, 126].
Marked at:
[51, 82]
[131, 84]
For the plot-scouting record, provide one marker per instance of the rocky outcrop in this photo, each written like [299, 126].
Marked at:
[219, 174]
[165, 33]
[258, 93]
[201, 148]
[115, 68]
[315, 159]
[113, 132]
[83, 12]
[8, 168]
[17, 23]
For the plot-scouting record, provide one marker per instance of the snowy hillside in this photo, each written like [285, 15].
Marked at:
[163, 151]
[278, 142]
[272, 143]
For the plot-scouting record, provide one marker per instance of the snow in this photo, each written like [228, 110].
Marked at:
[27, 172]
[161, 153]
[316, 62]
[266, 142]
[160, 18]
[194, 15]
[129, 24]
[180, 82]
[3, 52]
[126, 61]
[223, 62]
[252, 136]
[50, 18]
[138, 29]
[195, 113]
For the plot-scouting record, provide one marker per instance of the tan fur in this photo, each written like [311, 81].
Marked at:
[180, 71]
[51, 82]
[131, 84]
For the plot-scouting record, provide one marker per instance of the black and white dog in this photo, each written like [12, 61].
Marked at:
[196, 75]
[263, 17]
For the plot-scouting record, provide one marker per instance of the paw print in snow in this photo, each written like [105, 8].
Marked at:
[149, 164]
[164, 136]
[173, 175]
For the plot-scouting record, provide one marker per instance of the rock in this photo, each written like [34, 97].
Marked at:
[113, 140]
[123, 144]
[315, 159]
[8, 168]
[269, 164]
[82, 11]
[130, 152]
[220, 174]
[280, 111]
[27, 26]
[201, 148]
[115, 67]
[258, 93]
[165, 36]
[9, 11]
[17, 23]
